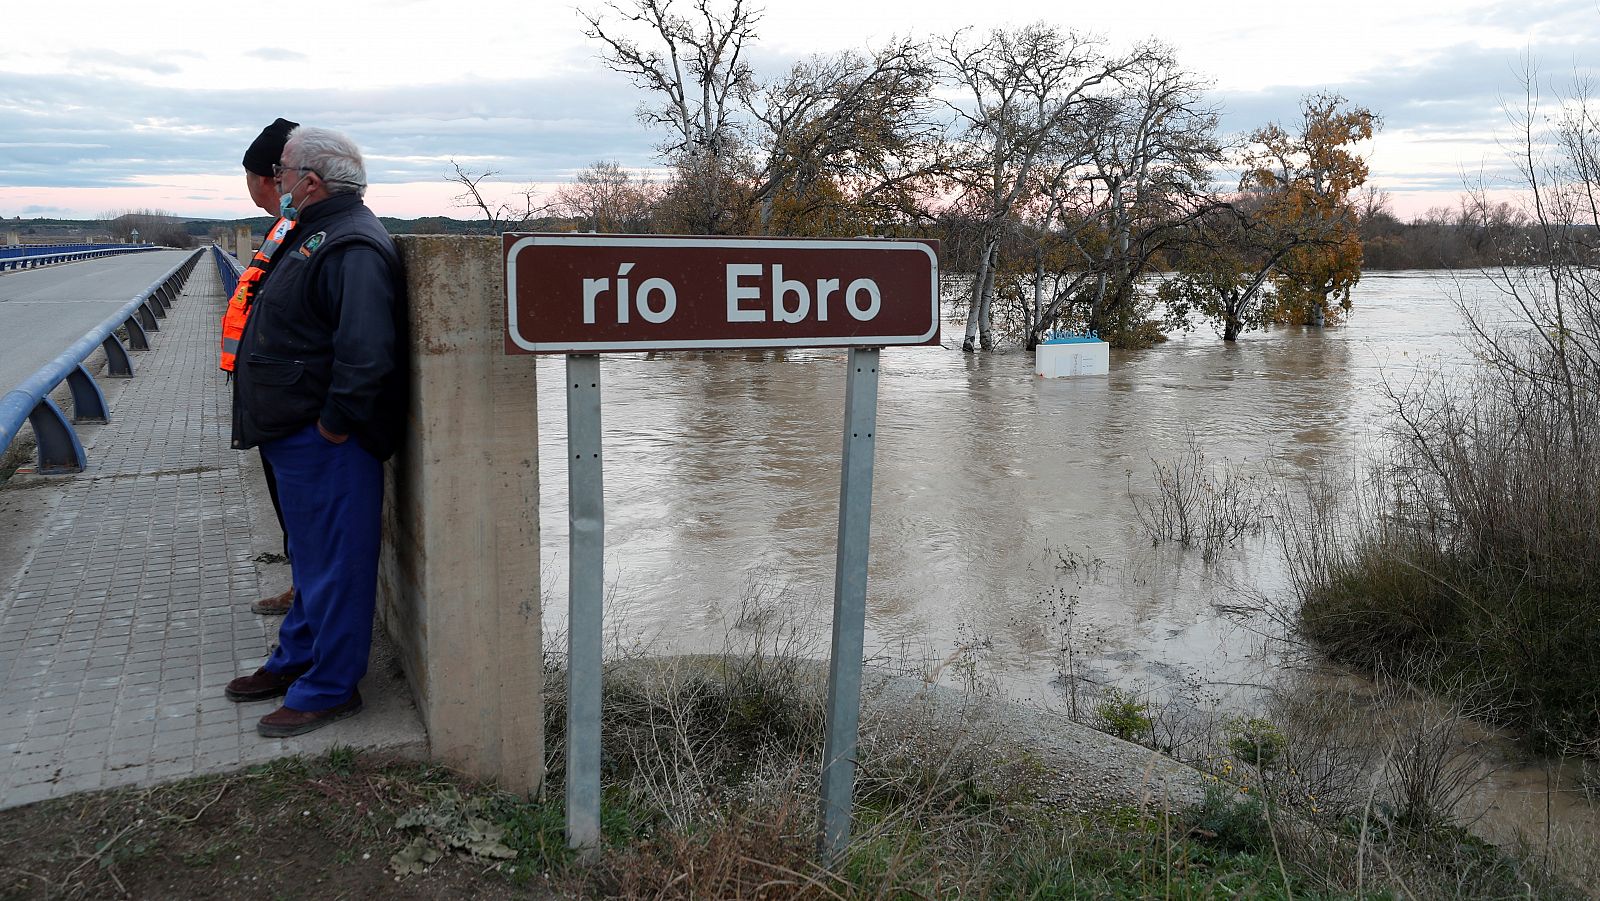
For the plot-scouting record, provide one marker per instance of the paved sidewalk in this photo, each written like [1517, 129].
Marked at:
[129, 608]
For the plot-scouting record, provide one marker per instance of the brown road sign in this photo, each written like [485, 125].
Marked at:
[580, 294]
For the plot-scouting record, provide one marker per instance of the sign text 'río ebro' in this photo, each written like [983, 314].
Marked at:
[577, 294]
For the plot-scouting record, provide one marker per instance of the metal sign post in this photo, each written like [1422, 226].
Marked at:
[849, 601]
[583, 295]
[585, 595]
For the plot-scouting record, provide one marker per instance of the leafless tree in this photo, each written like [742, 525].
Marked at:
[1028, 92]
[1373, 202]
[1556, 289]
[501, 216]
[694, 68]
[153, 226]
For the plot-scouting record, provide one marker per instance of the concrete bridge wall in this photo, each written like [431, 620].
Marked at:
[459, 579]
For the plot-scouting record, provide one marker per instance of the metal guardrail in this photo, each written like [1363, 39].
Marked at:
[60, 451]
[23, 250]
[228, 269]
[31, 261]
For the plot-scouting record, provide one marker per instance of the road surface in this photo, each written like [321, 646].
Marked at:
[42, 311]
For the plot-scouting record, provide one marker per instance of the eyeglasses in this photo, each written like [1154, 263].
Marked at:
[277, 170]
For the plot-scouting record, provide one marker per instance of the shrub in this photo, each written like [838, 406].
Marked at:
[1255, 740]
[1124, 715]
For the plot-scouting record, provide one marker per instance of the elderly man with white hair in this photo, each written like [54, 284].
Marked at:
[320, 382]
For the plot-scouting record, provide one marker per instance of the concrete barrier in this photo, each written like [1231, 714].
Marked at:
[459, 578]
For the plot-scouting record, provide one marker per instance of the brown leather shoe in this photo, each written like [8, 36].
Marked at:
[286, 721]
[259, 686]
[277, 605]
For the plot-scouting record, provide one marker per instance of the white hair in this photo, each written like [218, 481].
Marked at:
[332, 155]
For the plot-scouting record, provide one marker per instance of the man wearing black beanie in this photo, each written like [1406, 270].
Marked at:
[264, 153]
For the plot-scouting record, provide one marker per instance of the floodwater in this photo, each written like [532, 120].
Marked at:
[722, 483]
[1003, 537]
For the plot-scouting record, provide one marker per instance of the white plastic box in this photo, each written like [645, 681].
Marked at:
[1066, 357]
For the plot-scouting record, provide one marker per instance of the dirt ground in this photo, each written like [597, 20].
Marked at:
[320, 828]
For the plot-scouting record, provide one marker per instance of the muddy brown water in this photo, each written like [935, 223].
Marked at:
[1002, 529]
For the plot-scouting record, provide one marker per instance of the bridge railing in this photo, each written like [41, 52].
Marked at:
[60, 451]
[87, 252]
[23, 250]
[228, 269]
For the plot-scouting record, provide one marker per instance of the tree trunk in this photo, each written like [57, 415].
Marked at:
[969, 342]
[766, 213]
[985, 327]
[1036, 315]
[1097, 303]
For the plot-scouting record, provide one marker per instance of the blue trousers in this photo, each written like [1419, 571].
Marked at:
[332, 497]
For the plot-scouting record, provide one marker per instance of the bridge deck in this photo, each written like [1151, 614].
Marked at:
[125, 590]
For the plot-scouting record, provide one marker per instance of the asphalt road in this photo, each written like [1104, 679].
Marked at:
[42, 311]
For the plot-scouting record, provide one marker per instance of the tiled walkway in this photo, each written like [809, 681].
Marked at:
[131, 610]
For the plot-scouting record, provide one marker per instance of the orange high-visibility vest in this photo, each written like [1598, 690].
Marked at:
[238, 312]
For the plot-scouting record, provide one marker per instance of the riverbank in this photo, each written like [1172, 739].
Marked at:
[710, 772]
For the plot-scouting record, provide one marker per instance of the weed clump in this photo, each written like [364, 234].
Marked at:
[1200, 501]
[1122, 714]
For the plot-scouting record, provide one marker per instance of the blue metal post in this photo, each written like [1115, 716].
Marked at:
[88, 401]
[60, 451]
[118, 363]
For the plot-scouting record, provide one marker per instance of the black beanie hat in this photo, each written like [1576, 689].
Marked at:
[267, 148]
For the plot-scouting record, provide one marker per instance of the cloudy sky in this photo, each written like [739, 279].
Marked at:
[115, 105]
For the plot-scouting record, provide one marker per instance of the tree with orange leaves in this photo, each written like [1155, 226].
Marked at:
[1286, 247]
[1304, 183]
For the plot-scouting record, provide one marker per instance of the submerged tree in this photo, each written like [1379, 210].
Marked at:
[1030, 93]
[847, 142]
[1151, 167]
[1306, 181]
[1222, 268]
[1287, 246]
[837, 145]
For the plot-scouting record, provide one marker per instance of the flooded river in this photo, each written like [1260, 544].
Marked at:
[1002, 531]
[722, 481]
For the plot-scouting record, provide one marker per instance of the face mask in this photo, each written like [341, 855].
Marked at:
[286, 207]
